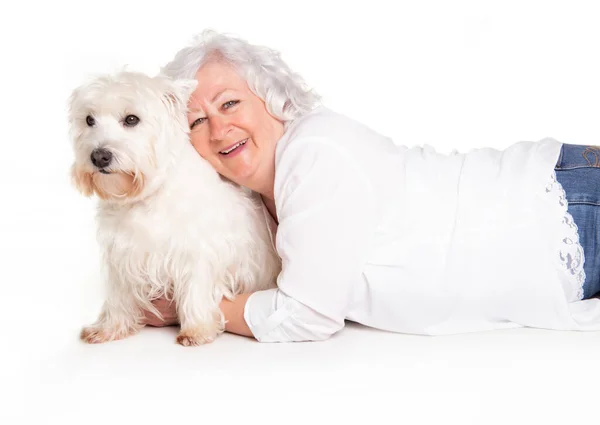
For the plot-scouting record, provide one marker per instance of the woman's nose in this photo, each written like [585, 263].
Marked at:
[219, 127]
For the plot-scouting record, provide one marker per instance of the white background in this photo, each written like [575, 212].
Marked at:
[459, 74]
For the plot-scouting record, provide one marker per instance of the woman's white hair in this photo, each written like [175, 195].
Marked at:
[268, 76]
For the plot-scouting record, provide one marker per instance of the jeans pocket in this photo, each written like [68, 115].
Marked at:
[578, 171]
[578, 156]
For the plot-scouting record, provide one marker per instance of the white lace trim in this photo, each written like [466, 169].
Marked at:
[570, 250]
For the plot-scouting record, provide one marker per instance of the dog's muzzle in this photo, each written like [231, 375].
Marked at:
[101, 158]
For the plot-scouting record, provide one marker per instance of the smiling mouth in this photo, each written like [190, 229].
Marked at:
[234, 147]
[103, 171]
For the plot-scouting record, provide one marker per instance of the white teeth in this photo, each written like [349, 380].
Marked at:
[237, 145]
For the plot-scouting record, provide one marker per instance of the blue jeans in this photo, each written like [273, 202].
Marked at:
[578, 171]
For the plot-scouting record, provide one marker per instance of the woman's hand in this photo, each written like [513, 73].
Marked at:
[168, 310]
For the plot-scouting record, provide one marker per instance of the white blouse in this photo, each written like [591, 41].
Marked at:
[413, 241]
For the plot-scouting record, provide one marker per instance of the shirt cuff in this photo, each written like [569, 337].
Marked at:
[264, 318]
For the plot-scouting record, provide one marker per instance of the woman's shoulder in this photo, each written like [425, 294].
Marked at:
[309, 145]
[325, 124]
[325, 129]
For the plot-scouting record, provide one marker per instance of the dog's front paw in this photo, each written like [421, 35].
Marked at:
[97, 335]
[198, 335]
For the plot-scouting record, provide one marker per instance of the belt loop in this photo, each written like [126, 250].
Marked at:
[560, 156]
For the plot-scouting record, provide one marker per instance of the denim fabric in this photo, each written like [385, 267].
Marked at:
[578, 171]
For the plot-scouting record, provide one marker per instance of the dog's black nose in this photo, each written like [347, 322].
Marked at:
[101, 157]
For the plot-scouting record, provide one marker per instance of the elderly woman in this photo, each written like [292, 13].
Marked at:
[402, 239]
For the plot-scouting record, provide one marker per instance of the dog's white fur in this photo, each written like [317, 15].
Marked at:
[168, 224]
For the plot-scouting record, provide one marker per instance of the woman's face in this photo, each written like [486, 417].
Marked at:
[231, 127]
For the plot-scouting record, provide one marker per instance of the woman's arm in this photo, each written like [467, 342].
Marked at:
[304, 324]
[234, 315]
[232, 310]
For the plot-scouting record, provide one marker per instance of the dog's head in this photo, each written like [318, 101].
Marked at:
[125, 128]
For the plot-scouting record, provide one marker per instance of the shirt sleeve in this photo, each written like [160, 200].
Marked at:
[273, 316]
[326, 222]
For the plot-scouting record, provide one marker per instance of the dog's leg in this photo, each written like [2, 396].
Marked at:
[198, 310]
[120, 316]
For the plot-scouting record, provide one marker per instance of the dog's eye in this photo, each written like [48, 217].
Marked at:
[131, 120]
[90, 121]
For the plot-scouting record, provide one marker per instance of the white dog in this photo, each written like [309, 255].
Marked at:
[168, 224]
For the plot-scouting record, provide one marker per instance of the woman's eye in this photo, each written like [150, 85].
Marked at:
[231, 103]
[90, 121]
[131, 121]
[197, 122]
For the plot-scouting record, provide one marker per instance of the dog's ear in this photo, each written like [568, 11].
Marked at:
[179, 92]
[82, 180]
[185, 88]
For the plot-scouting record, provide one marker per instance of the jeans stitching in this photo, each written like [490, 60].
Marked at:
[597, 204]
[596, 152]
[574, 167]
